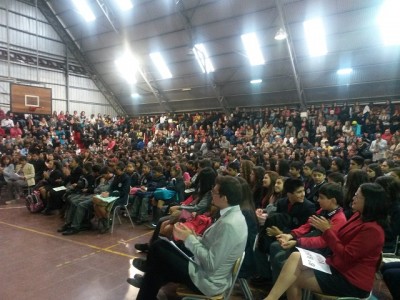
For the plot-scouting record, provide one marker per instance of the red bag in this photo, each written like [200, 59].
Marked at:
[199, 224]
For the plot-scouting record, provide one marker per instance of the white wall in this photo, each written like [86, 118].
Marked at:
[24, 29]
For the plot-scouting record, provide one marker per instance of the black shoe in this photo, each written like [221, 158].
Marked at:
[103, 225]
[260, 281]
[139, 222]
[84, 227]
[140, 264]
[70, 231]
[136, 281]
[47, 212]
[151, 225]
[64, 228]
[142, 247]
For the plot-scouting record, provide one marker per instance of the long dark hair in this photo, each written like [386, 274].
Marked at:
[246, 202]
[206, 181]
[373, 209]
[354, 179]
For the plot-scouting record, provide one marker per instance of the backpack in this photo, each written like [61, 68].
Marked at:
[34, 203]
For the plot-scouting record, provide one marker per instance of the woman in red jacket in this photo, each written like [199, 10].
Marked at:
[356, 250]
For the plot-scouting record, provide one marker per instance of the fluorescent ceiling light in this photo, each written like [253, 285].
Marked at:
[253, 50]
[280, 34]
[389, 22]
[84, 9]
[256, 81]
[345, 71]
[203, 59]
[135, 95]
[315, 35]
[161, 65]
[124, 4]
[127, 67]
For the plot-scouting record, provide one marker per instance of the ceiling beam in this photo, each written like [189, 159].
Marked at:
[109, 14]
[190, 31]
[293, 63]
[147, 76]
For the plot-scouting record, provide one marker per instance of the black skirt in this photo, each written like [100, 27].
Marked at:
[336, 284]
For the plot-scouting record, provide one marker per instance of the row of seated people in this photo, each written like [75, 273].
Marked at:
[344, 242]
[99, 207]
[290, 213]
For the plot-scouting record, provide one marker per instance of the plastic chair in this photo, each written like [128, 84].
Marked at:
[187, 294]
[116, 209]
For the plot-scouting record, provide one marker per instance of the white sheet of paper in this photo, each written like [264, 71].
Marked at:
[314, 260]
[177, 248]
[59, 188]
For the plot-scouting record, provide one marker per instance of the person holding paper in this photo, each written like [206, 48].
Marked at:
[306, 236]
[121, 183]
[25, 176]
[215, 253]
[355, 255]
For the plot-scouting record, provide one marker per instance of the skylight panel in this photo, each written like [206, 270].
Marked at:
[253, 50]
[256, 81]
[127, 67]
[161, 65]
[344, 71]
[84, 9]
[315, 36]
[124, 4]
[203, 59]
[389, 22]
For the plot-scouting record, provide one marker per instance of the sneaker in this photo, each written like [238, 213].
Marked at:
[140, 264]
[136, 281]
[11, 201]
[142, 247]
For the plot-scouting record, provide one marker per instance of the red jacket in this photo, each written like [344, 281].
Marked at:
[317, 242]
[356, 248]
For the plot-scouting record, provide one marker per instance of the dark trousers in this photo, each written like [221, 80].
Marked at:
[391, 276]
[83, 209]
[164, 264]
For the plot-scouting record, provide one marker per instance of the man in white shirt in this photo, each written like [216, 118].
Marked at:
[7, 122]
[378, 148]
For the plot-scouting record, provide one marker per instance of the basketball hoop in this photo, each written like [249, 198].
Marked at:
[32, 108]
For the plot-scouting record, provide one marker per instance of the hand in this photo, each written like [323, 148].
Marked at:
[289, 244]
[173, 208]
[320, 223]
[259, 212]
[181, 232]
[284, 237]
[105, 194]
[273, 231]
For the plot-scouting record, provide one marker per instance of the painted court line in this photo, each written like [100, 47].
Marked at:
[71, 241]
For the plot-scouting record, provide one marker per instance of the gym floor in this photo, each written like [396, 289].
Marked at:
[39, 263]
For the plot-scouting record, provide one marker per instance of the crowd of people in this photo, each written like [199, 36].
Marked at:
[322, 179]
